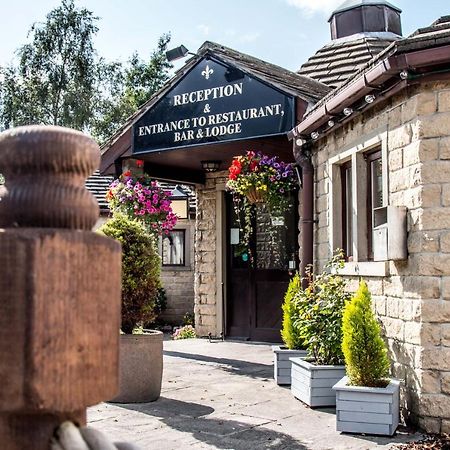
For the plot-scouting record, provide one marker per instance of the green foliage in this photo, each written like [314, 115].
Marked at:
[129, 87]
[290, 334]
[189, 319]
[55, 80]
[140, 270]
[161, 301]
[364, 350]
[59, 79]
[320, 308]
[186, 332]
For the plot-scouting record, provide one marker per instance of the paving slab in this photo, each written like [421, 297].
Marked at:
[221, 395]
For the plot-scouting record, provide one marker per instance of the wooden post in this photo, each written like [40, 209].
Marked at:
[59, 287]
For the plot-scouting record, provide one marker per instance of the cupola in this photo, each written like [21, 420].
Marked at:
[365, 16]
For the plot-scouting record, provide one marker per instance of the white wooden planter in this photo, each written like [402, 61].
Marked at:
[368, 410]
[282, 364]
[313, 384]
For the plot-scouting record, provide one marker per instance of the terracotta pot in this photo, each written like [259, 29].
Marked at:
[141, 367]
[255, 196]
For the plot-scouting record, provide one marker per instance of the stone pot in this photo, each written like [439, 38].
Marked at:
[313, 384]
[282, 364]
[371, 410]
[141, 367]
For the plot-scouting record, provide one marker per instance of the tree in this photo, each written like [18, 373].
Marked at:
[55, 80]
[129, 87]
[59, 78]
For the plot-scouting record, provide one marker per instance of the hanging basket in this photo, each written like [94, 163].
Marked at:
[255, 196]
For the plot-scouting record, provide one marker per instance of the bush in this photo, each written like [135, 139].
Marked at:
[319, 313]
[186, 332]
[290, 334]
[140, 270]
[364, 350]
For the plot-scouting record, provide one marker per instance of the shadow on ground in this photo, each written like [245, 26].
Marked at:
[192, 418]
[233, 366]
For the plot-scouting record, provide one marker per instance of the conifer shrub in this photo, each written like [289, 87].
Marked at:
[364, 350]
[289, 333]
[319, 309]
[140, 270]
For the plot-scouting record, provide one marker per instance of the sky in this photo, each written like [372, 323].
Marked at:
[283, 32]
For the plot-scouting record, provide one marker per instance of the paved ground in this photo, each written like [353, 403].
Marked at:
[222, 396]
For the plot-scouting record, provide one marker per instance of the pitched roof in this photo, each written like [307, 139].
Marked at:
[290, 82]
[334, 63]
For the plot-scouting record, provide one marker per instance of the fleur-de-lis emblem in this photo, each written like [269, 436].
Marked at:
[207, 72]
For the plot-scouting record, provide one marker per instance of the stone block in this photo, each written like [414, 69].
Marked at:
[434, 125]
[430, 381]
[445, 383]
[396, 159]
[445, 198]
[430, 424]
[437, 311]
[393, 287]
[419, 241]
[435, 171]
[436, 358]
[421, 287]
[444, 101]
[445, 335]
[434, 264]
[422, 103]
[444, 148]
[445, 428]
[430, 334]
[400, 137]
[435, 405]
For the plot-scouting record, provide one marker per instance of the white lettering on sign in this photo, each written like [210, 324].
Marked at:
[228, 90]
[213, 125]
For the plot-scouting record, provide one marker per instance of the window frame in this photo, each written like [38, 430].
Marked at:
[356, 152]
[176, 230]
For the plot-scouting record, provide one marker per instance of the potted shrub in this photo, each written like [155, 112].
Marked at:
[367, 401]
[294, 346]
[320, 306]
[140, 354]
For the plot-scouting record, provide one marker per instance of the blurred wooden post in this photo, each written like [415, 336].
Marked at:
[59, 287]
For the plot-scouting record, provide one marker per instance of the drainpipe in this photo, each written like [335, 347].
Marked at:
[302, 156]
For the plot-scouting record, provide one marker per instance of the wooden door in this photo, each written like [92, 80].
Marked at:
[255, 289]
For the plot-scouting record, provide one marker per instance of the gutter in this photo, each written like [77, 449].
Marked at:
[367, 82]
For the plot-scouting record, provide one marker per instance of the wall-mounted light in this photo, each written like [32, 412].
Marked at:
[300, 142]
[370, 98]
[179, 203]
[348, 111]
[331, 123]
[211, 166]
[177, 53]
[404, 74]
[315, 135]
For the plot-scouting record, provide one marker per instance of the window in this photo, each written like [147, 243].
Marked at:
[358, 185]
[374, 193]
[347, 197]
[173, 248]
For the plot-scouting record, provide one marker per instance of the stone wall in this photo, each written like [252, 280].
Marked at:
[206, 246]
[178, 282]
[412, 300]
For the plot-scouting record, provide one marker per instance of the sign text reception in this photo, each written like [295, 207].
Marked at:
[213, 103]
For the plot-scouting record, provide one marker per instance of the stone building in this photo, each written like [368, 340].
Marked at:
[370, 116]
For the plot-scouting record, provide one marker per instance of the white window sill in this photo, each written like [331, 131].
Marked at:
[366, 269]
[176, 268]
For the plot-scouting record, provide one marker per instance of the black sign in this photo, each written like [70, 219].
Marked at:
[213, 103]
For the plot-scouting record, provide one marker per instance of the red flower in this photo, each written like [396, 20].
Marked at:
[127, 173]
[253, 165]
[139, 163]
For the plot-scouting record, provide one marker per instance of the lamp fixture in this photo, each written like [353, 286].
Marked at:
[211, 165]
[177, 53]
[370, 98]
[331, 123]
[300, 142]
[315, 135]
[404, 74]
[348, 111]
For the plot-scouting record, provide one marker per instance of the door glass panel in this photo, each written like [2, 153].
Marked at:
[275, 239]
[240, 258]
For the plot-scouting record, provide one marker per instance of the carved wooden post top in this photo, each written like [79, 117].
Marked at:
[45, 168]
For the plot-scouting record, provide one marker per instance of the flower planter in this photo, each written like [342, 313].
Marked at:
[141, 367]
[313, 384]
[282, 363]
[370, 410]
[255, 196]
